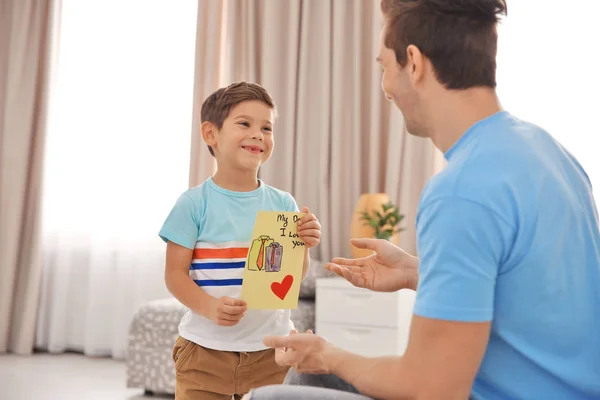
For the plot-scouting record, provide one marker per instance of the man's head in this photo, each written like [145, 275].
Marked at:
[428, 47]
[237, 125]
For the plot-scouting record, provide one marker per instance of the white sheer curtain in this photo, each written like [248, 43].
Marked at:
[117, 158]
[548, 72]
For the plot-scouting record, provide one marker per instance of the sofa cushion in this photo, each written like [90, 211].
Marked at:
[156, 323]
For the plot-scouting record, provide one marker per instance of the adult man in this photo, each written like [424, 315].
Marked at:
[508, 302]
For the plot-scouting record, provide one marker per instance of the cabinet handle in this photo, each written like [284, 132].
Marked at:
[356, 334]
[355, 296]
[358, 331]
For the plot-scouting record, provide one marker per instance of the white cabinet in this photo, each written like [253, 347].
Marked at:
[361, 321]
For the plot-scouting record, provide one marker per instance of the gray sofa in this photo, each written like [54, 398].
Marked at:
[153, 332]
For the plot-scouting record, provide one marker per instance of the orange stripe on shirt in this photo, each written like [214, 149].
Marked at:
[234, 252]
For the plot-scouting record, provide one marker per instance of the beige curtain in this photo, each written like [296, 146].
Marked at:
[207, 79]
[26, 36]
[336, 136]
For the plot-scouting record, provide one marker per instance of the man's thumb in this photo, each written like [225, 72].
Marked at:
[364, 243]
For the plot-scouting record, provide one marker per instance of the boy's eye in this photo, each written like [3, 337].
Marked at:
[244, 123]
[268, 128]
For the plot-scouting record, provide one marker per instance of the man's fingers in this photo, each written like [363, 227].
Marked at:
[336, 269]
[279, 356]
[353, 277]
[355, 270]
[347, 274]
[275, 342]
[339, 269]
[348, 261]
[364, 243]
[285, 358]
[351, 274]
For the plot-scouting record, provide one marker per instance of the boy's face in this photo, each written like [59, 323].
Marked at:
[246, 139]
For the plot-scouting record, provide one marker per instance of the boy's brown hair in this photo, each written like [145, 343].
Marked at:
[458, 36]
[217, 106]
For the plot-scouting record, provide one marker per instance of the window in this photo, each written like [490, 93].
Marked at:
[548, 72]
[117, 158]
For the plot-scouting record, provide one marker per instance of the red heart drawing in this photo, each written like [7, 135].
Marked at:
[282, 289]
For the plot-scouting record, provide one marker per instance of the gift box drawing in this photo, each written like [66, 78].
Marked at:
[273, 253]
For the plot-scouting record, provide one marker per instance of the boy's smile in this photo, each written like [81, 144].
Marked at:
[253, 149]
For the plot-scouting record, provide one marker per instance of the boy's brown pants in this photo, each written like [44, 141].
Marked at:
[206, 374]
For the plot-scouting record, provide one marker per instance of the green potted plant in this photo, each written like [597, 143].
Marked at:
[383, 221]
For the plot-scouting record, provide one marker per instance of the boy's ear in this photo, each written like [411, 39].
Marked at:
[209, 133]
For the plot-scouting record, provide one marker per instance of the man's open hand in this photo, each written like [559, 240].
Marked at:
[387, 270]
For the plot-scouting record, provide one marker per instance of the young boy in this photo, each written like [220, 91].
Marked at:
[219, 353]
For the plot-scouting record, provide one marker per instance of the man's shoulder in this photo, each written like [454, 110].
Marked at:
[493, 167]
[486, 188]
[456, 183]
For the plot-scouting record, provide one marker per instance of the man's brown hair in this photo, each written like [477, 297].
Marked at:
[458, 36]
[217, 106]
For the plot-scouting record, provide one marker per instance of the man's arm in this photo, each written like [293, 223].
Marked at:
[461, 245]
[440, 362]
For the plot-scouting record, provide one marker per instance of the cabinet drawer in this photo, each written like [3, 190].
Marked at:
[365, 341]
[363, 307]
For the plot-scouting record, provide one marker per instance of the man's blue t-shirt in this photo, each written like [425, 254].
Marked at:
[508, 233]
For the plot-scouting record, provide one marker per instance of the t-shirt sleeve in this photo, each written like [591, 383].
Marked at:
[461, 246]
[289, 203]
[182, 225]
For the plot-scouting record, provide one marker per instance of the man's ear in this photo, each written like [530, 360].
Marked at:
[209, 133]
[416, 64]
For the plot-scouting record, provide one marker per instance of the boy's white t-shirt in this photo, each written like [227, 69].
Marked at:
[217, 224]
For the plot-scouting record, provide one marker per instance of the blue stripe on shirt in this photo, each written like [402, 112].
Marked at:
[218, 282]
[217, 265]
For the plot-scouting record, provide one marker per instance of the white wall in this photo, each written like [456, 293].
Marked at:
[549, 72]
